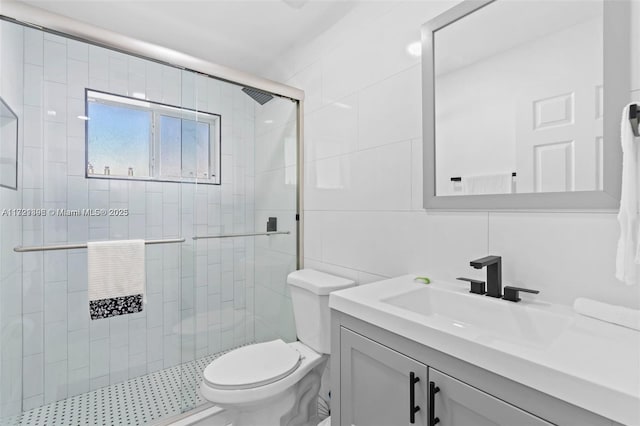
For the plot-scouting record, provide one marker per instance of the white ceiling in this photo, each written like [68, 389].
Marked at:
[246, 35]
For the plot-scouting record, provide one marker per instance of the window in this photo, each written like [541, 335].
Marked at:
[131, 138]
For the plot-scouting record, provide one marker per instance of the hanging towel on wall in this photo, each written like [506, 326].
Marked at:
[116, 271]
[628, 255]
[487, 184]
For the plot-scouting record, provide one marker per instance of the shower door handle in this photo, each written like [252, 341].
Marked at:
[413, 408]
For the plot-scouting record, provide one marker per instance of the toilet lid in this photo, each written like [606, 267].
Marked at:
[251, 366]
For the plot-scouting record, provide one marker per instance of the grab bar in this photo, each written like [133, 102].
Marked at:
[21, 249]
[240, 235]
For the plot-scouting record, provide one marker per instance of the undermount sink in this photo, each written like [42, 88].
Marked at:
[483, 318]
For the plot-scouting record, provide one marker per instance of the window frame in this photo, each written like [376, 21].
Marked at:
[158, 109]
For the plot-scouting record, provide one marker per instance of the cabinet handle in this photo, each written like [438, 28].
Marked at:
[413, 408]
[433, 390]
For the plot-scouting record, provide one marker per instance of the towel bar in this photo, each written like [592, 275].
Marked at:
[240, 235]
[21, 249]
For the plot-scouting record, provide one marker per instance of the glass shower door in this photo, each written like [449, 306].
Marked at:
[276, 190]
[239, 293]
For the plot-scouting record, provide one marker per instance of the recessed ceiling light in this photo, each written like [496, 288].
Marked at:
[415, 49]
[83, 117]
[52, 113]
[268, 121]
[139, 95]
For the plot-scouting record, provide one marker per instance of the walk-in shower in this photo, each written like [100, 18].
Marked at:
[113, 146]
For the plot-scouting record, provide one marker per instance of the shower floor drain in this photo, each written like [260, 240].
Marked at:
[135, 402]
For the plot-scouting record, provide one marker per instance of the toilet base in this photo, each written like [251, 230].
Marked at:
[296, 406]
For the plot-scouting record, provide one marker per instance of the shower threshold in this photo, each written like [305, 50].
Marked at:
[138, 401]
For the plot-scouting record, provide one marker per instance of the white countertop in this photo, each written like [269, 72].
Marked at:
[585, 362]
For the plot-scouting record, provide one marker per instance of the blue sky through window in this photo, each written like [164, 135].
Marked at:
[119, 137]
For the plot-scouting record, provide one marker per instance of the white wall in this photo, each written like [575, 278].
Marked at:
[363, 174]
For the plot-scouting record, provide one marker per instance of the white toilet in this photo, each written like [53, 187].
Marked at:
[277, 383]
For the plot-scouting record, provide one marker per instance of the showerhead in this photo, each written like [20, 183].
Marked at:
[258, 95]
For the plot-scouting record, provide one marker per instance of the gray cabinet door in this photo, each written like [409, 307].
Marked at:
[458, 404]
[375, 384]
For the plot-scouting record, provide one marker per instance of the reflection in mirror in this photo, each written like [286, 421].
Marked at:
[519, 99]
[8, 147]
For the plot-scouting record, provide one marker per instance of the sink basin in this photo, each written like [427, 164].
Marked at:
[485, 319]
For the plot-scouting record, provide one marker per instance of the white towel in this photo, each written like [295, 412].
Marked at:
[115, 269]
[488, 184]
[629, 243]
[620, 315]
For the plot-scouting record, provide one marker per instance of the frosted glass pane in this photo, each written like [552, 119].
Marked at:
[189, 146]
[170, 153]
[195, 149]
[202, 135]
[118, 138]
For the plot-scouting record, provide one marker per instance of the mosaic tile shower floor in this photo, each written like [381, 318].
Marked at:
[138, 401]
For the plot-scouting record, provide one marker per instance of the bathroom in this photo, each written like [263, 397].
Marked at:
[339, 145]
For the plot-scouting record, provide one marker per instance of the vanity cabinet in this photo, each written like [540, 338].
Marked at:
[376, 385]
[380, 386]
[487, 357]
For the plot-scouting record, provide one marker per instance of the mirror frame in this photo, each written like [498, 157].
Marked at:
[616, 80]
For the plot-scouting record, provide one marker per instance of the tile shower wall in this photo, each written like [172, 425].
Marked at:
[197, 300]
[363, 173]
[11, 83]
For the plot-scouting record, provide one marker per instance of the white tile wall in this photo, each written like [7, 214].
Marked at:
[12, 81]
[63, 352]
[363, 173]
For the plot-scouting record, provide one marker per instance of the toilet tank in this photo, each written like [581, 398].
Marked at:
[310, 297]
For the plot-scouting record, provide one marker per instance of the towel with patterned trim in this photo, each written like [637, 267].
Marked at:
[116, 271]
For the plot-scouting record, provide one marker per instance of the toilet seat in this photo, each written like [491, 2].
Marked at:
[250, 396]
[252, 366]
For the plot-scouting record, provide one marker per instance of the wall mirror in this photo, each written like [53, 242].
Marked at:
[8, 147]
[522, 103]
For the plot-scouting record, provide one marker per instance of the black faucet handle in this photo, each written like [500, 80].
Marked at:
[511, 293]
[477, 286]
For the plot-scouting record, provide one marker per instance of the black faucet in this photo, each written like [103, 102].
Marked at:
[494, 273]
